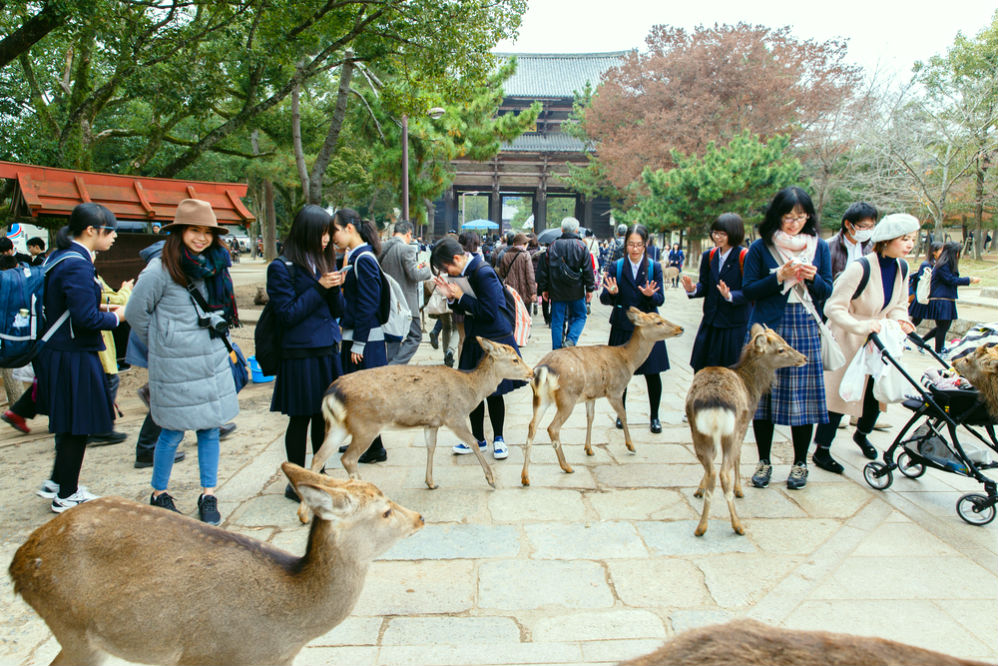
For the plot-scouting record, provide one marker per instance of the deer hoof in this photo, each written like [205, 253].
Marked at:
[738, 529]
[524, 480]
[589, 451]
[739, 492]
[568, 469]
[700, 530]
[303, 514]
[698, 492]
[630, 447]
[431, 486]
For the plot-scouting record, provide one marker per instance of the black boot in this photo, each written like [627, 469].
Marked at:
[864, 444]
[375, 453]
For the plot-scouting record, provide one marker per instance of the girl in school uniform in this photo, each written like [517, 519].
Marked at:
[485, 314]
[304, 288]
[677, 258]
[918, 311]
[636, 281]
[942, 293]
[363, 338]
[721, 335]
[71, 385]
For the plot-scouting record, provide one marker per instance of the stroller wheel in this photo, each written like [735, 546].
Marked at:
[910, 469]
[876, 479]
[974, 509]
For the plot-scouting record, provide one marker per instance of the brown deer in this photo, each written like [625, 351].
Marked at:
[981, 369]
[719, 408]
[568, 376]
[359, 405]
[146, 585]
[751, 643]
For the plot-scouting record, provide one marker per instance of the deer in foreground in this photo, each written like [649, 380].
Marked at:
[719, 408]
[568, 376]
[751, 643]
[117, 577]
[981, 369]
[359, 405]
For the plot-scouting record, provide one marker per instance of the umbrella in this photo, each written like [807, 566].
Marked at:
[548, 236]
[480, 224]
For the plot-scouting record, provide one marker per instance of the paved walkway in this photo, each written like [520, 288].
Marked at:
[587, 568]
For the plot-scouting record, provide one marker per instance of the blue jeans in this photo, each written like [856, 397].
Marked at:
[166, 449]
[576, 321]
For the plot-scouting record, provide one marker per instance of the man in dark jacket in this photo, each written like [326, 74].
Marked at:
[565, 277]
[852, 240]
[398, 259]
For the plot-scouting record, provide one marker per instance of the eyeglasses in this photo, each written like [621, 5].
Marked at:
[795, 218]
[863, 227]
[636, 245]
[718, 232]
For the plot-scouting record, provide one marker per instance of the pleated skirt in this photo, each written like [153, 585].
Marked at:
[717, 347]
[73, 392]
[918, 310]
[940, 309]
[658, 359]
[301, 383]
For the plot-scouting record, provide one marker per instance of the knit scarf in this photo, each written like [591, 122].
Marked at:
[800, 247]
[212, 266]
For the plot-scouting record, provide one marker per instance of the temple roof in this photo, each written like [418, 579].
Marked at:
[554, 142]
[540, 75]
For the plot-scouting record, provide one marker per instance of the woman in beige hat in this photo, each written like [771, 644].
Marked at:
[182, 306]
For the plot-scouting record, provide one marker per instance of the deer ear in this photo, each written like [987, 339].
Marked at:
[484, 343]
[757, 329]
[634, 315]
[327, 503]
[759, 341]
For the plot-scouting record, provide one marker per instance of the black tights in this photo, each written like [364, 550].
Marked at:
[497, 415]
[801, 435]
[940, 331]
[654, 383]
[825, 433]
[69, 450]
[294, 437]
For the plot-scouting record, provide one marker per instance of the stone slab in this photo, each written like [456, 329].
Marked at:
[584, 541]
[597, 625]
[510, 653]
[640, 504]
[454, 542]
[536, 504]
[656, 582]
[400, 588]
[451, 631]
[739, 580]
[675, 537]
[528, 584]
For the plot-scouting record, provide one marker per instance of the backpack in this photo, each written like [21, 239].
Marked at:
[557, 266]
[393, 309]
[864, 261]
[741, 258]
[22, 312]
[268, 333]
[923, 287]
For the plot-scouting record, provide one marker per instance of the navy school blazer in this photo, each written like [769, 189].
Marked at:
[72, 285]
[306, 310]
[628, 295]
[759, 283]
[486, 311]
[717, 311]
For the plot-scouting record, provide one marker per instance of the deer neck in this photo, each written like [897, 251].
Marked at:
[756, 376]
[483, 379]
[327, 580]
[636, 349]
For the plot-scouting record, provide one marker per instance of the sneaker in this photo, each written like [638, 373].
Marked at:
[16, 421]
[763, 472]
[60, 504]
[462, 448]
[208, 510]
[798, 476]
[105, 438]
[50, 489]
[142, 462]
[449, 359]
[163, 501]
[499, 450]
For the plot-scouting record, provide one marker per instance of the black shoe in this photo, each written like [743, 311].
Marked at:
[343, 449]
[656, 426]
[374, 455]
[435, 339]
[105, 438]
[864, 444]
[208, 510]
[449, 359]
[289, 492]
[620, 426]
[226, 430]
[143, 462]
[823, 459]
[163, 501]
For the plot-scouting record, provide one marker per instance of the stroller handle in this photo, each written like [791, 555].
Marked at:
[875, 339]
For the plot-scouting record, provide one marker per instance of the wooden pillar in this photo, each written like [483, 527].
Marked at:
[450, 216]
[580, 209]
[540, 211]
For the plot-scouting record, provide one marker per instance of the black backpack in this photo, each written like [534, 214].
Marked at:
[268, 333]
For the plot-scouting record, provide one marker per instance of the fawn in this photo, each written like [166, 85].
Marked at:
[981, 369]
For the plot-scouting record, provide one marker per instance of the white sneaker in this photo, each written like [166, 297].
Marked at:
[499, 450]
[49, 489]
[60, 504]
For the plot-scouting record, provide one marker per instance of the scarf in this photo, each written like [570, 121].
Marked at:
[800, 247]
[212, 266]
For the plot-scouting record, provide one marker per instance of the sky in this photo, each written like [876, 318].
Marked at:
[884, 35]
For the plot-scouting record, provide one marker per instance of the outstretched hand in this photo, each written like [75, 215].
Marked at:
[688, 283]
[449, 290]
[649, 288]
[611, 284]
[724, 289]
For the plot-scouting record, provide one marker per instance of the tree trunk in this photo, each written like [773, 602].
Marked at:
[979, 210]
[270, 224]
[332, 136]
[21, 40]
[296, 141]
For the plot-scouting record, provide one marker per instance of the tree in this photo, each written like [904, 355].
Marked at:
[690, 89]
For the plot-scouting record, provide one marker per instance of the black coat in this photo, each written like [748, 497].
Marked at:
[570, 250]
[717, 311]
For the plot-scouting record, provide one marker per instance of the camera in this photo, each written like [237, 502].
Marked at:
[215, 323]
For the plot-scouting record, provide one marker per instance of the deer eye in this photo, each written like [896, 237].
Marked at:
[387, 513]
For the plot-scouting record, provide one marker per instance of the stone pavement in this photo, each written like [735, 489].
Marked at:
[584, 568]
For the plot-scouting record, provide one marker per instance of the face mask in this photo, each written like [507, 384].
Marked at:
[862, 235]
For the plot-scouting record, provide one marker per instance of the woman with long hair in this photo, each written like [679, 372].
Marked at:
[636, 280]
[182, 308]
[942, 292]
[304, 288]
[72, 389]
[918, 311]
[788, 273]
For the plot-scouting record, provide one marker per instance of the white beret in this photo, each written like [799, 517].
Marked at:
[893, 226]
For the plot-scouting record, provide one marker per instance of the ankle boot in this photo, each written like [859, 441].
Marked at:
[823, 458]
[864, 444]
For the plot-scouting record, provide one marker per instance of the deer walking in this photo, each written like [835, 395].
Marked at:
[113, 576]
[719, 408]
[359, 405]
[568, 376]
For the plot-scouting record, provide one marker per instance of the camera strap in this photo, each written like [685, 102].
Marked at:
[199, 302]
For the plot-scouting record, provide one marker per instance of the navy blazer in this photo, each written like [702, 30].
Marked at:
[72, 285]
[628, 295]
[306, 310]
[485, 313]
[945, 281]
[717, 311]
[759, 283]
[361, 294]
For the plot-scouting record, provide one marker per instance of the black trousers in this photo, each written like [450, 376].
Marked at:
[871, 410]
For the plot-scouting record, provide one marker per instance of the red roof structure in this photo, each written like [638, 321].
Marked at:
[50, 191]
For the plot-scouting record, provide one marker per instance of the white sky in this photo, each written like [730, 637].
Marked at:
[883, 34]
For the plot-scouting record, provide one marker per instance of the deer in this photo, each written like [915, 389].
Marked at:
[570, 375]
[750, 643]
[719, 407]
[981, 369]
[116, 577]
[358, 406]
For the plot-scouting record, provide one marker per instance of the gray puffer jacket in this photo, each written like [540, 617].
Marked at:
[190, 379]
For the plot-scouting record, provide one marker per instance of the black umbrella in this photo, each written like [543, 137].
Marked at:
[547, 236]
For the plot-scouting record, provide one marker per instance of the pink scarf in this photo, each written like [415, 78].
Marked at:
[800, 248]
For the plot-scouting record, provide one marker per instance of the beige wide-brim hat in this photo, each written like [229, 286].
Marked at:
[195, 213]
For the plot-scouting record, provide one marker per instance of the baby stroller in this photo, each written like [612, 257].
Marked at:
[929, 439]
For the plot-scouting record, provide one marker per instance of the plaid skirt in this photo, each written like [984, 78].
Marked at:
[798, 394]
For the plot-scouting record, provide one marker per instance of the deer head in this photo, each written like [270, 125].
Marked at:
[505, 360]
[765, 343]
[652, 326]
[978, 365]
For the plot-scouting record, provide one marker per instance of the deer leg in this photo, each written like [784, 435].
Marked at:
[464, 433]
[430, 435]
[590, 414]
[540, 409]
[76, 649]
[554, 432]
[729, 496]
[617, 402]
[706, 457]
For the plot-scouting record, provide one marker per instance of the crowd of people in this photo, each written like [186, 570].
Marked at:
[328, 288]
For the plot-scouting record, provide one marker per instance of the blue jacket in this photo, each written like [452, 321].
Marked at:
[360, 298]
[628, 295]
[717, 311]
[485, 313]
[306, 310]
[945, 281]
[759, 283]
[73, 285]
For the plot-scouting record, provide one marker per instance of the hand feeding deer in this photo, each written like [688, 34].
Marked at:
[113, 576]
[568, 376]
[719, 408]
[359, 405]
